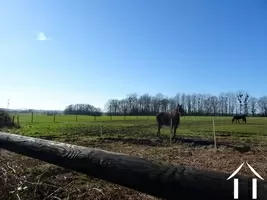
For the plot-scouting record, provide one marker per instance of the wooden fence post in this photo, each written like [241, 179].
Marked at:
[171, 133]
[214, 134]
[32, 118]
[101, 130]
[18, 120]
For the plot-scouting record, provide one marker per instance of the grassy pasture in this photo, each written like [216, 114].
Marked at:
[140, 126]
[134, 136]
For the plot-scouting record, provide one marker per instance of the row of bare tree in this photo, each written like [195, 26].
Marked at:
[82, 109]
[224, 104]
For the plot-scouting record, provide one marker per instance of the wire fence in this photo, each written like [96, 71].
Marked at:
[33, 117]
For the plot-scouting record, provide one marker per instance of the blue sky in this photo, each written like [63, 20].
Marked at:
[55, 53]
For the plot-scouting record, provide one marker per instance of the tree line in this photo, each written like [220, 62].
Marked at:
[82, 109]
[224, 104]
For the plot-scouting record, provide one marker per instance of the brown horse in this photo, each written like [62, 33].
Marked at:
[238, 117]
[164, 119]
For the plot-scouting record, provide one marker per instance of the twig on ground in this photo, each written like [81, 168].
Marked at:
[56, 197]
[99, 190]
[35, 188]
[9, 167]
[18, 196]
[57, 191]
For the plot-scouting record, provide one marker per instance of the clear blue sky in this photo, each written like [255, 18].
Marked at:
[55, 53]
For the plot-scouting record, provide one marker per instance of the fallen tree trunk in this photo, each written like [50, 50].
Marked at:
[159, 179]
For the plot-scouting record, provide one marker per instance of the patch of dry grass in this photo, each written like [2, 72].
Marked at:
[25, 178]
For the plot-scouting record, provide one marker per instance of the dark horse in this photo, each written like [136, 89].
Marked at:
[238, 117]
[164, 119]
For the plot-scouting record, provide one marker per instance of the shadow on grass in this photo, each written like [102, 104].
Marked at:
[151, 140]
[195, 142]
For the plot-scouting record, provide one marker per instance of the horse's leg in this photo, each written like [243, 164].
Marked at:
[159, 127]
[174, 132]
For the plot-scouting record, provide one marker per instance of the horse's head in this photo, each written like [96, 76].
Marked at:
[180, 109]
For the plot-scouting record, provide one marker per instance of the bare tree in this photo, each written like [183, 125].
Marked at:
[239, 99]
[177, 99]
[194, 103]
[109, 107]
[189, 104]
[246, 102]
[263, 105]
[160, 97]
[155, 104]
[144, 104]
[147, 102]
[164, 104]
[183, 100]
[232, 103]
[253, 105]
[201, 98]
[123, 107]
[214, 104]
[132, 101]
[221, 99]
[172, 103]
[207, 104]
[227, 103]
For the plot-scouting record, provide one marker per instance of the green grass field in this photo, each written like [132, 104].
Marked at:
[140, 126]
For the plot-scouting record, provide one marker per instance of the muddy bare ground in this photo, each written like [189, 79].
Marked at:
[25, 178]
